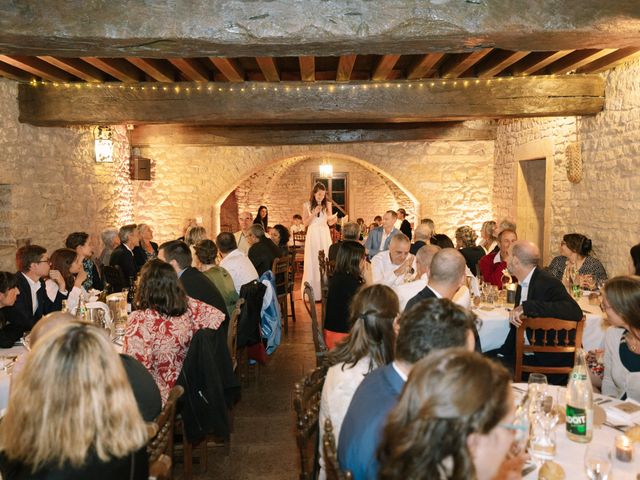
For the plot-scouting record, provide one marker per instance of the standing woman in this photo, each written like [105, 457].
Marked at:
[262, 217]
[316, 216]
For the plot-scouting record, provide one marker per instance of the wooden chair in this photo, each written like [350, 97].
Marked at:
[320, 347]
[298, 246]
[161, 443]
[161, 468]
[330, 455]
[280, 269]
[291, 286]
[545, 338]
[306, 402]
[323, 262]
[232, 334]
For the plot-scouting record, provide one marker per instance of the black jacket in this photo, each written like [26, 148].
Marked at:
[262, 254]
[198, 286]
[123, 258]
[10, 333]
[21, 313]
[211, 387]
[405, 227]
[140, 256]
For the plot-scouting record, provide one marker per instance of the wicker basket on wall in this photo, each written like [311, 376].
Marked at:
[574, 162]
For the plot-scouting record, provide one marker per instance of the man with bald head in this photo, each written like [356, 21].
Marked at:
[421, 237]
[245, 220]
[391, 267]
[406, 291]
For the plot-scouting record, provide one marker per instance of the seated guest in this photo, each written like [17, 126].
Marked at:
[234, 261]
[194, 282]
[395, 265]
[406, 291]
[110, 240]
[193, 236]
[262, 251]
[32, 303]
[73, 383]
[159, 331]
[405, 226]
[146, 250]
[280, 236]
[493, 264]
[362, 228]
[466, 242]
[634, 261]
[441, 240]
[9, 332]
[488, 236]
[122, 256]
[296, 224]
[368, 346]
[379, 237]
[79, 242]
[450, 420]
[245, 221]
[621, 303]
[343, 284]
[421, 237]
[69, 264]
[350, 233]
[431, 325]
[575, 265]
[206, 253]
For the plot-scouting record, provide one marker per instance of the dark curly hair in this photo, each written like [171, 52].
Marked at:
[578, 243]
[76, 239]
[159, 289]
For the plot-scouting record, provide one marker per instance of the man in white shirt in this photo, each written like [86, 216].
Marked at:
[234, 261]
[393, 266]
[406, 291]
[245, 220]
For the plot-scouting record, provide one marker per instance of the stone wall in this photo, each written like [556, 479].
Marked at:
[605, 205]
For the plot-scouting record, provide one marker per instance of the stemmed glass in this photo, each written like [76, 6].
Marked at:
[542, 444]
[597, 462]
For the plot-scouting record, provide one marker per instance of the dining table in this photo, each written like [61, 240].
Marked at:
[494, 326]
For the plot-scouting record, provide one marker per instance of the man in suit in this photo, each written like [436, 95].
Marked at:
[379, 238]
[350, 233]
[123, 257]
[262, 251]
[33, 302]
[177, 254]
[432, 324]
[539, 294]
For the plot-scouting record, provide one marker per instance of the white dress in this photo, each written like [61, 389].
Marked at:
[318, 238]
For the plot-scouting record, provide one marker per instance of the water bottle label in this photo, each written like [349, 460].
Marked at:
[578, 376]
[578, 421]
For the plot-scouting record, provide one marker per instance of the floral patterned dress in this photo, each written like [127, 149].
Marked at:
[161, 343]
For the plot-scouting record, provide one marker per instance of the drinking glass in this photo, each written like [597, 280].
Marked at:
[597, 462]
[537, 378]
[542, 444]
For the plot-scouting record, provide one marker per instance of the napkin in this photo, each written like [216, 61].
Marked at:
[622, 412]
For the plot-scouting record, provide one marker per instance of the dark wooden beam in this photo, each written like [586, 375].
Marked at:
[116, 67]
[146, 135]
[273, 28]
[536, 61]
[191, 68]
[301, 102]
[425, 67]
[76, 67]
[229, 68]
[156, 69]
[384, 66]
[611, 60]
[497, 62]
[345, 67]
[269, 69]
[459, 63]
[307, 68]
[36, 67]
[13, 73]
[577, 59]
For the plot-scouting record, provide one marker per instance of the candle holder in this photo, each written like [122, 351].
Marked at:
[624, 449]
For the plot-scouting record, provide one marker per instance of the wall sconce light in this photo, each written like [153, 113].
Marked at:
[103, 137]
[326, 170]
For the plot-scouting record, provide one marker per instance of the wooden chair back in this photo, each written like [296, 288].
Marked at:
[306, 402]
[232, 333]
[330, 455]
[545, 338]
[162, 442]
[299, 239]
[161, 468]
[316, 332]
[323, 264]
[280, 269]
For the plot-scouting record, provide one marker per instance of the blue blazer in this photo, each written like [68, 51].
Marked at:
[362, 427]
[374, 239]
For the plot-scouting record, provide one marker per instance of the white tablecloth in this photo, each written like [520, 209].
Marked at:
[495, 326]
[5, 378]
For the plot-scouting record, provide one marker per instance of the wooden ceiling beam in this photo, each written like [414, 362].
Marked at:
[498, 62]
[307, 68]
[116, 67]
[37, 67]
[268, 68]
[13, 73]
[425, 67]
[76, 67]
[577, 59]
[384, 67]
[611, 60]
[457, 64]
[345, 67]
[537, 61]
[191, 68]
[229, 68]
[156, 69]
[293, 102]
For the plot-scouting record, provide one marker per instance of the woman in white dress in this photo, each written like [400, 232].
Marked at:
[316, 216]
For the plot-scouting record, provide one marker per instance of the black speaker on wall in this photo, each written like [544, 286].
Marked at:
[140, 168]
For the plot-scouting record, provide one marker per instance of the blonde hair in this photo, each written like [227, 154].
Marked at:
[195, 235]
[72, 398]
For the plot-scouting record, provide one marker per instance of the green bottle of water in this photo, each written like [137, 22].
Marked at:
[579, 402]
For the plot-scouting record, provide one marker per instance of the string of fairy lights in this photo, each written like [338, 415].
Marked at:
[188, 88]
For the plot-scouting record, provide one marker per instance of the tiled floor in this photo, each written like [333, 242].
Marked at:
[263, 443]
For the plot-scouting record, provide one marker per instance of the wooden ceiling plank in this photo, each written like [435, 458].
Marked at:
[116, 67]
[498, 62]
[269, 69]
[425, 67]
[36, 67]
[461, 62]
[76, 67]
[13, 73]
[384, 67]
[307, 68]
[191, 69]
[156, 69]
[577, 59]
[229, 68]
[345, 67]
[537, 61]
[609, 61]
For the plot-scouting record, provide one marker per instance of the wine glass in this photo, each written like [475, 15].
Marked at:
[542, 445]
[597, 462]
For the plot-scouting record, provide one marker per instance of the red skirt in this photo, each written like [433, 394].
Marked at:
[333, 338]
